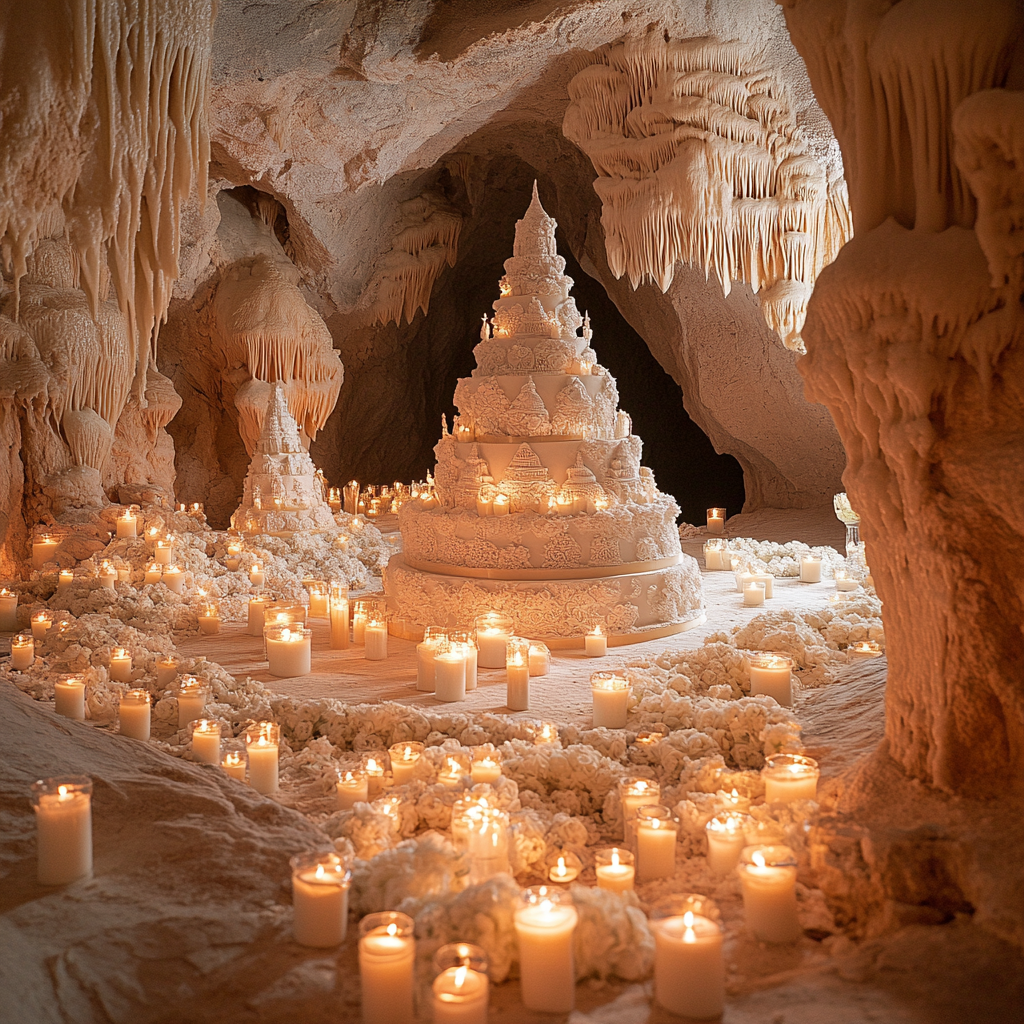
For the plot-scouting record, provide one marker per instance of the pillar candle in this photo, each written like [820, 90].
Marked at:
[404, 757]
[689, 968]
[41, 622]
[789, 777]
[375, 639]
[636, 793]
[339, 616]
[753, 594]
[163, 550]
[810, 568]
[545, 922]
[768, 880]
[387, 960]
[517, 674]
[64, 579]
[465, 642]
[120, 665]
[209, 619]
[257, 577]
[351, 788]
[360, 614]
[289, 650]
[655, 843]
[153, 574]
[483, 505]
[595, 644]
[23, 651]
[107, 575]
[44, 548]
[174, 579]
[69, 698]
[206, 741]
[716, 556]
[493, 632]
[487, 842]
[450, 675]
[460, 996]
[374, 770]
[609, 692]
[8, 611]
[134, 711]
[716, 520]
[772, 674]
[486, 768]
[540, 659]
[320, 883]
[127, 524]
[63, 807]
[433, 641]
[166, 671]
[192, 696]
[319, 607]
[257, 613]
[261, 744]
[615, 869]
[726, 839]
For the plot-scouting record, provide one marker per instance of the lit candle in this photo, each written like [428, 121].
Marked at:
[655, 843]
[318, 603]
[500, 505]
[716, 520]
[257, 577]
[375, 638]
[69, 698]
[461, 989]
[257, 613]
[609, 692]
[547, 734]
[234, 556]
[487, 842]
[134, 714]
[209, 618]
[565, 869]
[689, 969]
[845, 583]
[753, 594]
[339, 615]
[545, 922]
[124, 574]
[465, 643]
[864, 649]
[9, 611]
[153, 574]
[635, 793]
[564, 505]
[517, 674]
[596, 643]
[63, 807]
[41, 622]
[768, 879]
[192, 696]
[484, 503]
[715, 556]
[44, 548]
[64, 579]
[23, 652]
[360, 614]
[726, 834]
[769, 583]
[163, 550]
[152, 536]
[233, 760]
[166, 671]
[206, 741]
[261, 744]
[126, 524]
[387, 959]
[289, 650]
[810, 568]
[772, 674]
[540, 658]
[120, 665]
[404, 757]
[107, 575]
[615, 870]
[334, 499]
[351, 788]
[450, 674]
[174, 579]
[486, 765]
[320, 884]
[789, 777]
[434, 640]
[493, 631]
[374, 770]
[455, 768]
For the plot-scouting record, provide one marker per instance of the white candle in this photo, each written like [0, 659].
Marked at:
[126, 524]
[209, 619]
[166, 671]
[715, 556]
[44, 548]
[163, 550]
[64, 579]
[595, 644]
[768, 879]
[487, 843]
[107, 575]
[359, 616]
[609, 692]
[769, 583]
[41, 622]
[789, 777]
[257, 613]
[339, 616]
[9, 611]
[563, 871]
[486, 768]
[810, 568]
[319, 607]
[483, 505]
[261, 744]
[404, 757]
[753, 594]
[615, 869]
[716, 520]
[63, 807]
[206, 741]
[655, 843]
[387, 958]
[634, 794]
[460, 996]
[517, 674]
[499, 506]
[540, 659]
[844, 582]
[69, 698]
[465, 643]
[174, 579]
[455, 768]
[375, 639]
[374, 770]
[545, 922]
[493, 632]
[23, 652]
[772, 674]
[689, 969]
[153, 574]
[426, 651]
[864, 649]
[191, 700]
[134, 714]
[726, 839]
[257, 577]
[289, 650]
[120, 665]
[450, 675]
[233, 763]
[320, 884]
[352, 788]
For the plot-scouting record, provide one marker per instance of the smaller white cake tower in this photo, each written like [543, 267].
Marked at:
[282, 492]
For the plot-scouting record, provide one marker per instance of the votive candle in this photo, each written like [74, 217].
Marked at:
[545, 923]
[9, 611]
[261, 744]
[320, 883]
[753, 594]
[23, 651]
[120, 665]
[206, 741]
[289, 650]
[192, 696]
[41, 622]
[716, 520]
[166, 671]
[609, 692]
[63, 807]
[595, 643]
[655, 843]
[726, 838]
[768, 880]
[810, 568]
[615, 869]
[772, 674]
[351, 788]
[493, 632]
[789, 777]
[404, 757]
[540, 658]
[134, 712]
[69, 698]
[375, 639]
[689, 968]
[387, 960]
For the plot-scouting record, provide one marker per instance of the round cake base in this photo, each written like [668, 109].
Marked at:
[630, 608]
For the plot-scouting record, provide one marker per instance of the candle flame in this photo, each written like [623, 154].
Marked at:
[62, 792]
[460, 976]
[319, 871]
[561, 866]
[758, 858]
[392, 930]
[547, 906]
[688, 919]
[615, 858]
[371, 764]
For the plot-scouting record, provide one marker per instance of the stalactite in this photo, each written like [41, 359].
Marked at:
[700, 161]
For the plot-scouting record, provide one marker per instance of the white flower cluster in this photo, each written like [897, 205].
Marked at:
[779, 560]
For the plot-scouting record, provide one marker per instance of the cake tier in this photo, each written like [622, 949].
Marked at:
[283, 522]
[630, 608]
[537, 404]
[623, 538]
[530, 353]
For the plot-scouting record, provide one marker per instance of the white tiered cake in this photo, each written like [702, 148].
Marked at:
[542, 509]
[282, 493]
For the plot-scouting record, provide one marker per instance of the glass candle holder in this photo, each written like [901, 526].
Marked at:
[289, 650]
[209, 618]
[467, 812]
[166, 670]
[41, 623]
[464, 642]
[545, 922]
[63, 808]
[163, 551]
[768, 880]
[609, 692]
[540, 658]
[595, 643]
[716, 556]
[563, 866]
[376, 776]
[257, 574]
[404, 758]
[134, 712]
[864, 649]
[107, 575]
[360, 615]
[845, 581]
[615, 868]
[320, 884]
[485, 766]
[44, 549]
[487, 843]
[206, 741]
[545, 734]
[772, 675]
[454, 770]
[192, 695]
[716, 520]
[387, 960]
[493, 632]
[23, 651]
[257, 613]
[262, 743]
[319, 607]
[460, 990]
[284, 613]
[173, 579]
[120, 666]
[69, 698]
[726, 834]
[517, 673]
[789, 777]
[655, 842]
[233, 758]
[810, 568]
[689, 968]
[9, 609]
[635, 793]
[375, 635]
[753, 594]
[435, 639]
[352, 787]
[339, 612]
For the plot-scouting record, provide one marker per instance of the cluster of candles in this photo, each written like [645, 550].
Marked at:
[447, 662]
[375, 499]
[491, 502]
[718, 557]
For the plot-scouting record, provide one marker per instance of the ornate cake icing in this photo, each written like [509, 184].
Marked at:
[283, 493]
[539, 490]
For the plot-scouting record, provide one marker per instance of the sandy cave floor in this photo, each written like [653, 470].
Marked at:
[920, 975]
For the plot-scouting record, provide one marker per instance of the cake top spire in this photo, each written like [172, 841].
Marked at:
[535, 232]
[280, 433]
